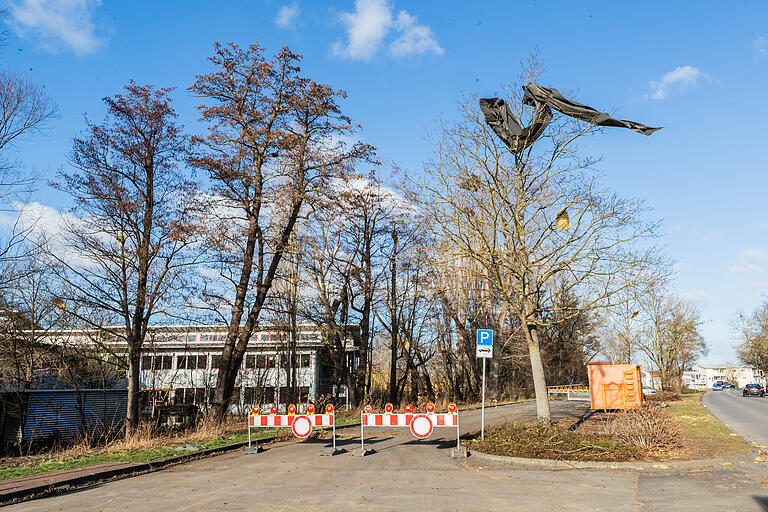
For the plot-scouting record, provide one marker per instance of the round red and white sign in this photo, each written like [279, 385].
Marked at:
[421, 426]
[301, 426]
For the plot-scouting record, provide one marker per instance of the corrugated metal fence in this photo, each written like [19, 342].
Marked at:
[62, 413]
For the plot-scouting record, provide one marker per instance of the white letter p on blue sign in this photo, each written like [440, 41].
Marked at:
[485, 337]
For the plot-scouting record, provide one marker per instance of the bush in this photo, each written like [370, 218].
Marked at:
[551, 441]
[649, 428]
[664, 396]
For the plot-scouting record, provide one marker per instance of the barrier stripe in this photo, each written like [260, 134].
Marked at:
[404, 420]
[286, 420]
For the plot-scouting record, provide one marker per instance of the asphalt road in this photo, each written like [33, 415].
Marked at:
[747, 416]
[405, 474]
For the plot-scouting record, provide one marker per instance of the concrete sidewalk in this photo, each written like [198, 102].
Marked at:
[44, 484]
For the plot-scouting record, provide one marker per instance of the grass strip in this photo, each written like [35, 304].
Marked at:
[706, 437]
[67, 460]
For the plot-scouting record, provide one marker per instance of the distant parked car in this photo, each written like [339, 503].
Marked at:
[729, 385]
[718, 386]
[649, 391]
[753, 390]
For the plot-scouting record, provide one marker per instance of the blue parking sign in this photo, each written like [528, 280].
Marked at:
[485, 337]
[484, 343]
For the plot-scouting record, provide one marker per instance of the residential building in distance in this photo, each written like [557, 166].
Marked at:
[703, 377]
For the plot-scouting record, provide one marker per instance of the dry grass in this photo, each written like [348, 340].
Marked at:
[705, 436]
[552, 441]
[650, 429]
[664, 396]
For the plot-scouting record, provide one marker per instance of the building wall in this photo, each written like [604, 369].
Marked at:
[179, 363]
[705, 377]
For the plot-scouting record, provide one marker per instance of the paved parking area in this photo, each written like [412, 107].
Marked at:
[405, 474]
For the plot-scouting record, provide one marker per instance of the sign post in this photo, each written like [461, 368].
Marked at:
[484, 351]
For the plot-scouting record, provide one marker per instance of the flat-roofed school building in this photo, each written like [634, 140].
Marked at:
[179, 364]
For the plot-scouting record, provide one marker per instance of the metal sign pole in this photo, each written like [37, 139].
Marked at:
[334, 431]
[458, 432]
[362, 434]
[482, 409]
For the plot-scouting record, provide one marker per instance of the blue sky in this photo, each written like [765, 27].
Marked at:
[698, 69]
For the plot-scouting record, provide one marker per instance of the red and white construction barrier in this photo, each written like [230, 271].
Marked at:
[420, 425]
[301, 424]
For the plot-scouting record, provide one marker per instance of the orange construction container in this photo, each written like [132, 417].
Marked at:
[614, 386]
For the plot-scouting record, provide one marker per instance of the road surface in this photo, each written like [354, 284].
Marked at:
[748, 416]
[409, 475]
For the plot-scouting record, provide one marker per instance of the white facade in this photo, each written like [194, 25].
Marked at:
[179, 364]
[703, 377]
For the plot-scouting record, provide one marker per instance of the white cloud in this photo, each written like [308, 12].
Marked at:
[415, 38]
[287, 15]
[698, 296]
[370, 23]
[50, 23]
[752, 265]
[761, 46]
[681, 78]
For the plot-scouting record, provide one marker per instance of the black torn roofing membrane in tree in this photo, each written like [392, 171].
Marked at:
[503, 122]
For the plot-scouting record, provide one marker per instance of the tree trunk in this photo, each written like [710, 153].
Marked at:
[394, 325]
[537, 371]
[134, 387]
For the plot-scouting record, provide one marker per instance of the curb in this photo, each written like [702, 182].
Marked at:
[67, 485]
[645, 466]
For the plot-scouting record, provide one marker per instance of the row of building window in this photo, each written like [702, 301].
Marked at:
[200, 362]
[204, 396]
[175, 338]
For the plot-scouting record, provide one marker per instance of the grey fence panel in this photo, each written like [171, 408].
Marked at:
[64, 414]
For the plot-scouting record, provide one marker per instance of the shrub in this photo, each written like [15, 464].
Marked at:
[664, 396]
[551, 441]
[649, 428]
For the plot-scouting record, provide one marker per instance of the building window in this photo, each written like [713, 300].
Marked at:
[202, 362]
[215, 362]
[248, 395]
[146, 362]
[162, 363]
[181, 362]
[250, 361]
[264, 361]
[305, 360]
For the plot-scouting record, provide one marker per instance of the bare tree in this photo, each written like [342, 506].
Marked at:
[24, 110]
[752, 332]
[671, 340]
[274, 143]
[535, 223]
[125, 251]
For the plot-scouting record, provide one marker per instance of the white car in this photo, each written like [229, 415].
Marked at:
[649, 391]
